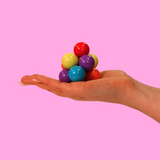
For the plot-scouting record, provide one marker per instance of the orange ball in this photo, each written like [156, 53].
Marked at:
[93, 74]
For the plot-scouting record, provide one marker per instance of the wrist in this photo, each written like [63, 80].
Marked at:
[145, 99]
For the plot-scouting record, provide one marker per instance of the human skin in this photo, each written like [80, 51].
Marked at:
[114, 86]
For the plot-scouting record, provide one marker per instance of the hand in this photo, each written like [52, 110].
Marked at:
[113, 86]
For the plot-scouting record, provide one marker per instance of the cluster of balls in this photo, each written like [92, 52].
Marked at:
[80, 65]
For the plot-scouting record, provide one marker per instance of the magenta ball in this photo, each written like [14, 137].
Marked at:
[63, 76]
[87, 62]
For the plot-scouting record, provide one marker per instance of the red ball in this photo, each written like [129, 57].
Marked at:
[81, 49]
[62, 66]
[93, 74]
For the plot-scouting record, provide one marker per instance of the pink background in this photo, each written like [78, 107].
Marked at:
[38, 125]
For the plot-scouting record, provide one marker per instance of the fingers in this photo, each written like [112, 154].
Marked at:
[28, 80]
[53, 84]
[73, 90]
[31, 80]
[50, 84]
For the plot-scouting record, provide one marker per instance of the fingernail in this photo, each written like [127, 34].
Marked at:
[36, 80]
[22, 84]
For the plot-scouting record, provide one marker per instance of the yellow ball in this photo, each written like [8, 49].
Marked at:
[69, 60]
[95, 59]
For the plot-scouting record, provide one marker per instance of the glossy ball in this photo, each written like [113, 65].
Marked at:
[93, 74]
[95, 60]
[63, 76]
[62, 67]
[69, 60]
[76, 73]
[81, 49]
[87, 62]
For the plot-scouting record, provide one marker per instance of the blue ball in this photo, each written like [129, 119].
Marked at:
[76, 73]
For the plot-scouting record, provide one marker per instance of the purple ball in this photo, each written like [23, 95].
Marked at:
[63, 76]
[87, 62]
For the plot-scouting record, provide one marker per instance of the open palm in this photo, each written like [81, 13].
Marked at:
[112, 87]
